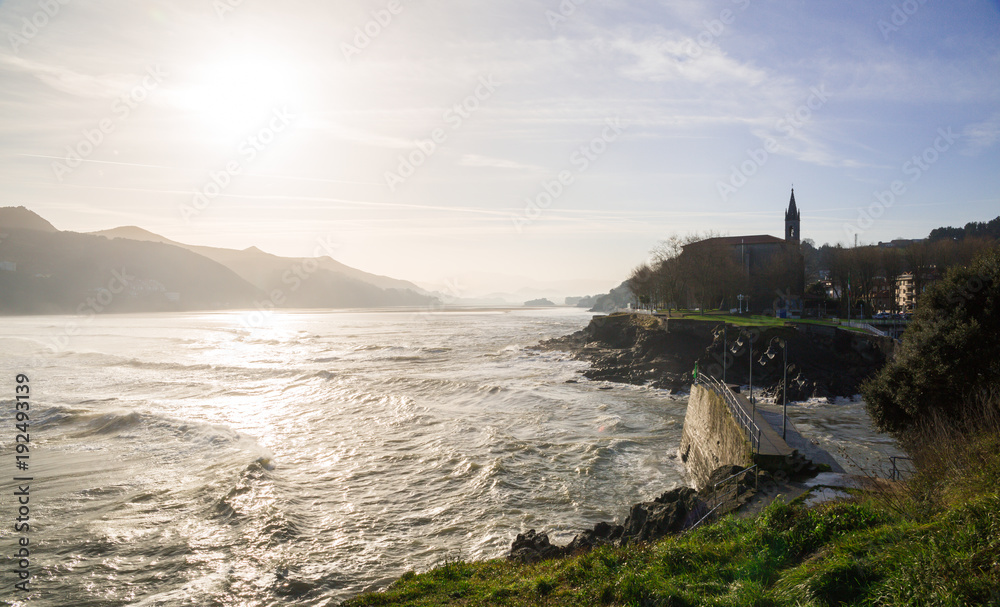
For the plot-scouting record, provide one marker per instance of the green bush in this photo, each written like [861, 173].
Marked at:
[950, 354]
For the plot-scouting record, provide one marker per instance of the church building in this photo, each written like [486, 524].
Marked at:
[773, 269]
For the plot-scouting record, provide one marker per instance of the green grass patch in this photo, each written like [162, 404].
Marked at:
[859, 552]
[933, 541]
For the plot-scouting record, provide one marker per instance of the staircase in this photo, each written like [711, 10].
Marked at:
[770, 451]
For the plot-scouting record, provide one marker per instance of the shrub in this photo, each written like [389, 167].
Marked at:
[950, 354]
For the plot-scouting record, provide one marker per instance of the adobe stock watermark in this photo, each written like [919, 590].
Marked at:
[366, 34]
[453, 289]
[789, 124]
[900, 15]
[293, 278]
[31, 27]
[121, 109]
[713, 29]
[580, 160]
[566, 9]
[90, 307]
[224, 7]
[248, 150]
[914, 168]
[454, 117]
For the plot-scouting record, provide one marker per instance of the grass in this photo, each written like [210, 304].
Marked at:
[933, 541]
[755, 321]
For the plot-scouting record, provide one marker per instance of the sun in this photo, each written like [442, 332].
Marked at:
[233, 94]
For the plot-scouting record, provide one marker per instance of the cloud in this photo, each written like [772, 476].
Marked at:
[981, 136]
[662, 57]
[475, 160]
[66, 80]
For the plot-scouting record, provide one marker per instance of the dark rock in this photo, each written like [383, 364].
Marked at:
[602, 534]
[670, 513]
[639, 349]
[665, 515]
[723, 472]
[532, 547]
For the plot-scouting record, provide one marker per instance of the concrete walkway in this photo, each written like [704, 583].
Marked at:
[770, 441]
[795, 440]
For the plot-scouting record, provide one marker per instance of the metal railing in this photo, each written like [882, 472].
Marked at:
[730, 490]
[742, 417]
[864, 326]
[633, 311]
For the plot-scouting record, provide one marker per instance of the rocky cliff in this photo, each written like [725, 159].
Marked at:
[641, 349]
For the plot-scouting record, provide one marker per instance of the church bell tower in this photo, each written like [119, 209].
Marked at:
[792, 221]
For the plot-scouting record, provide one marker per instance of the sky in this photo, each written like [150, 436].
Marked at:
[473, 146]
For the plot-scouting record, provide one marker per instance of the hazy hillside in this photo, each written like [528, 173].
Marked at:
[50, 272]
[20, 218]
[45, 271]
[259, 267]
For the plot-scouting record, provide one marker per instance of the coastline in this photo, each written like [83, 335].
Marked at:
[646, 350]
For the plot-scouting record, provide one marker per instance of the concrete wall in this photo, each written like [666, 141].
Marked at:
[711, 437]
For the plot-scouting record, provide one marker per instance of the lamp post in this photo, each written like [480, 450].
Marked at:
[740, 297]
[736, 346]
[784, 379]
[725, 348]
[725, 340]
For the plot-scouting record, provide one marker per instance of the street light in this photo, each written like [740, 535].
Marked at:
[740, 297]
[736, 346]
[725, 347]
[771, 353]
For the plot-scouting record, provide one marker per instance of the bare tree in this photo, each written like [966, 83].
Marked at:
[892, 269]
[640, 282]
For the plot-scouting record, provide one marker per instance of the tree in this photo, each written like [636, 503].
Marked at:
[812, 258]
[919, 261]
[669, 284]
[892, 269]
[950, 354]
[640, 282]
[711, 272]
[840, 273]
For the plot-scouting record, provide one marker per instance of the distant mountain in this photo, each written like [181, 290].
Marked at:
[45, 271]
[585, 301]
[20, 218]
[619, 297]
[259, 267]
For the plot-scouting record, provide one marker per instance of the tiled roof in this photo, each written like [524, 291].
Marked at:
[737, 240]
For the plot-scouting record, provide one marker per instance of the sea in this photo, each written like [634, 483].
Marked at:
[303, 457]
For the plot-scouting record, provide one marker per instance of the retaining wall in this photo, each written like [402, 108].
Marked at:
[711, 437]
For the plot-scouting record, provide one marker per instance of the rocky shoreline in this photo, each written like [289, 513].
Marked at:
[673, 512]
[648, 350]
[824, 362]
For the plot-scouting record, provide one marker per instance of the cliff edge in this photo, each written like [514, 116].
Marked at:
[640, 349]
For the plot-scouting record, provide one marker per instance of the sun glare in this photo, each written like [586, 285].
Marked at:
[237, 93]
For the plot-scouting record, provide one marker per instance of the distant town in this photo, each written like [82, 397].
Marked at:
[791, 277]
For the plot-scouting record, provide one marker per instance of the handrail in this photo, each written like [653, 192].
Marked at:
[742, 417]
[865, 327]
[717, 503]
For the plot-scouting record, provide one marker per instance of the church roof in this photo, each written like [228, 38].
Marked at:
[738, 240]
[792, 212]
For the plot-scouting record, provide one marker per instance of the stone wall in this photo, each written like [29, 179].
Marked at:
[711, 437]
